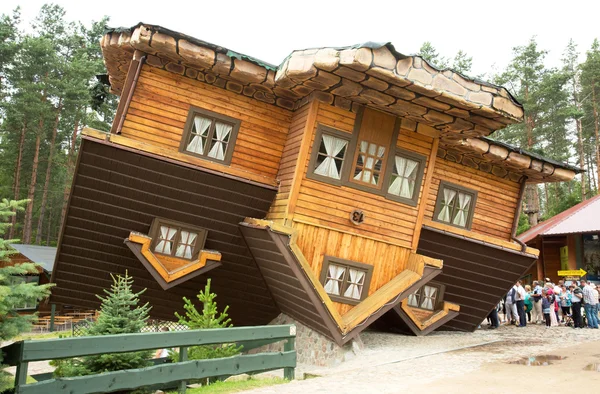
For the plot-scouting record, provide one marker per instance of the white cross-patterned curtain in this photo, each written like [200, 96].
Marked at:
[200, 133]
[429, 296]
[447, 203]
[404, 184]
[186, 242]
[334, 276]
[166, 234]
[369, 162]
[333, 147]
[220, 139]
[413, 299]
[355, 284]
[462, 210]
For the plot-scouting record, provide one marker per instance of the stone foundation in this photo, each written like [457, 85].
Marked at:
[313, 348]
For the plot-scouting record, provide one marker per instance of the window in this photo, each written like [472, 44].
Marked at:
[346, 281]
[427, 297]
[368, 159]
[176, 239]
[17, 280]
[329, 153]
[405, 176]
[209, 135]
[455, 205]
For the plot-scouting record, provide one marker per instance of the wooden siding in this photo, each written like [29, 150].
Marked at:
[117, 191]
[475, 275]
[287, 167]
[387, 260]
[497, 198]
[327, 205]
[160, 106]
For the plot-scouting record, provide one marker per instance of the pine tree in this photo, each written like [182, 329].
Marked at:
[120, 313]
[12, 290]
[209, 318]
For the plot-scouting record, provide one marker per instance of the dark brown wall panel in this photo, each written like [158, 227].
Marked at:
[476, 276]
[117, 191]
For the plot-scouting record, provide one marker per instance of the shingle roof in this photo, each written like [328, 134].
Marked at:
[42, 255]
[582, 218]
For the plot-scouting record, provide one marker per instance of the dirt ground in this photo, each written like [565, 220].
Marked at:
[479, 362]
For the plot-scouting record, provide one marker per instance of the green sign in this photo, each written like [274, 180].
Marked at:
[564, 258]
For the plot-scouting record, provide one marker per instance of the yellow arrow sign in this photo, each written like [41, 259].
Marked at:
[578, 272]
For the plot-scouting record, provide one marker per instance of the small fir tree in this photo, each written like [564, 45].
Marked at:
[14, 291]
[120, 313]
[209, 318]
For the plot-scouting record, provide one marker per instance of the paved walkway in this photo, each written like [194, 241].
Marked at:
[394, 364]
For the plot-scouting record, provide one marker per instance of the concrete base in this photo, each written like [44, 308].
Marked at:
[313, 348]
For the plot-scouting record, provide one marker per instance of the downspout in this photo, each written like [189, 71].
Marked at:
[130, 95]
[513, 234]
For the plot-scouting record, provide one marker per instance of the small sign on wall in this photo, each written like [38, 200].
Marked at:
[357, 216]
[564, 258]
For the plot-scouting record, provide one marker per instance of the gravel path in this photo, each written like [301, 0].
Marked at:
[394, 363]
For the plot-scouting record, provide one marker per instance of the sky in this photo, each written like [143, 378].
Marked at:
[269, 31]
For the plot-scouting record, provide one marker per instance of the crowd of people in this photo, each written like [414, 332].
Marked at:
[574, 305]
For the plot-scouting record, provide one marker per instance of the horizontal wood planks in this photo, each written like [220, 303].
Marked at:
[497, 198]
[161, 103]
[116, 192]
[387, 260]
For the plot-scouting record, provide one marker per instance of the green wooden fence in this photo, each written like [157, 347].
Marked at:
[23, 352]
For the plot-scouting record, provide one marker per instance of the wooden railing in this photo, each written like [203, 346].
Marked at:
[23, 352]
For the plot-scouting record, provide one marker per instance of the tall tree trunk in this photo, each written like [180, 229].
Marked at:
[580, 146]
[49, 231]
[596, 126]
[17, 182]
[38, 234]
[70, 171]
[31, 192]
[532, 198]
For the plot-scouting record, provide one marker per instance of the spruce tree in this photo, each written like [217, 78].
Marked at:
[120, 313]
[12, 290]
[209, 318]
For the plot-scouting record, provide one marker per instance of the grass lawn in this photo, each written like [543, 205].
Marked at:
[46, 335]
[234, 387]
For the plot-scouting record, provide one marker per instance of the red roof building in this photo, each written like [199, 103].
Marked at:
[567, 241]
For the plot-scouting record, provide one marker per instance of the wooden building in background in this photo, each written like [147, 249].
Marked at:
[567, 241]
[340, 186]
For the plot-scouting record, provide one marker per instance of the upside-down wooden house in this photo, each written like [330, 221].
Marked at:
[342, 185]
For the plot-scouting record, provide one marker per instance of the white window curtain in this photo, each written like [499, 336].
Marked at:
[462, 210]
[413, 299]
[220, 140]
[447, 203]
[429, 296]
[355, 286]
[369, 163]
[166, 234]
[333, 146]
[186, 243]
[201, 126]
[403, 184]
[334, 277]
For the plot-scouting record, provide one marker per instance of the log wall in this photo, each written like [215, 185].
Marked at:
[161, 103]
[497, 198]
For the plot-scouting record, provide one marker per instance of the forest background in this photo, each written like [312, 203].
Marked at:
[53, 84]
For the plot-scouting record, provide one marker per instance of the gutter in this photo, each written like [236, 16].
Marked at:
[513, 233]
[130, 94]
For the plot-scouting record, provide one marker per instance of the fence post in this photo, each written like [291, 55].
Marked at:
[52, 313]
[182, 357]
[21, 375]
[289, 372]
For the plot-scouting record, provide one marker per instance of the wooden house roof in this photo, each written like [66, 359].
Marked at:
[461, 109]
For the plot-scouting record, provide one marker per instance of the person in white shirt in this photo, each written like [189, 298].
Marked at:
[520, 303]
[511, 306]
[538, 316]
[590, 304]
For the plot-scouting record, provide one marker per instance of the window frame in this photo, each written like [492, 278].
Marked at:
[214, 116]
[368, 270]
[350, 158]
[154, 234]
[322, 129]
[439, 300]
[438, 203]
[422, 160]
